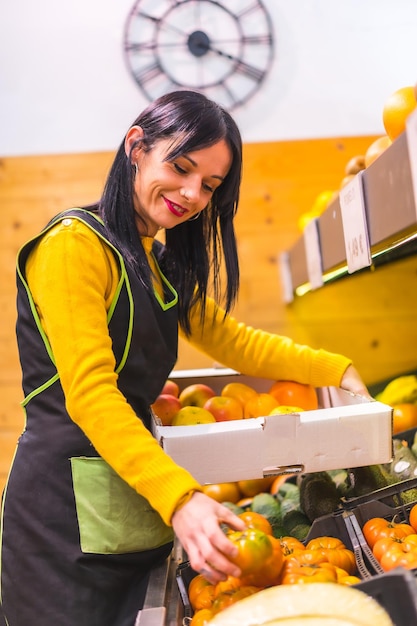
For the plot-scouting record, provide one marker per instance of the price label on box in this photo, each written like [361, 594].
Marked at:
[313, 254]
[355, 228]
[411, 134]
[287, 286]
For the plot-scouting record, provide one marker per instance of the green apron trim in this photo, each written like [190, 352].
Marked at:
[112, 517]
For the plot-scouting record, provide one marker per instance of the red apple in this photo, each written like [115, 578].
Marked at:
[196, 395]
[224, 408]
[171, 387]
[190, 415]
[166, 406]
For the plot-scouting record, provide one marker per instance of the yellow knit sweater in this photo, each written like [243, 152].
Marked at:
[73, 277]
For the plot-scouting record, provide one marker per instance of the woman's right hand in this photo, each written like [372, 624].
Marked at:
[197, 526]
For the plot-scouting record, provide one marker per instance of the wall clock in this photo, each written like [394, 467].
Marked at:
[223, 48]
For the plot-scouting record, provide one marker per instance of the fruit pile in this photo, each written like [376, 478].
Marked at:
[395, 112]
[266, 561]
[198, 403]
[393, 543]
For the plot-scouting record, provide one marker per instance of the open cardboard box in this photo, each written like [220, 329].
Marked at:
[346, 431]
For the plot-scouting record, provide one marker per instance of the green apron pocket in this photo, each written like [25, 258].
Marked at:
[112, 517]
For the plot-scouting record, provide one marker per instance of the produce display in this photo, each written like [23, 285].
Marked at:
[395, 111]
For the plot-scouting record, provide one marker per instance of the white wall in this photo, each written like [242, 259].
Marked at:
[64, 85]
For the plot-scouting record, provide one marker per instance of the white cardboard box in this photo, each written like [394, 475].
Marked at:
[346, 431]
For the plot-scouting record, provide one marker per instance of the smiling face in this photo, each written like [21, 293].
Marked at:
[168, 193]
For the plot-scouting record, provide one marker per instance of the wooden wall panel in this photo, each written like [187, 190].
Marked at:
[371, 317]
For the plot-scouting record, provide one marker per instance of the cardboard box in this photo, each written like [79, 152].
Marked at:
[332, 241]
[389, 195]
[347, 431]
[297, 260]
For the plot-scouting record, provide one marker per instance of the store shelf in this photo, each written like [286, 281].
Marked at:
[390, 216]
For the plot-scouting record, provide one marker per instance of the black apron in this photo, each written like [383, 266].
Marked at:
[60, 567]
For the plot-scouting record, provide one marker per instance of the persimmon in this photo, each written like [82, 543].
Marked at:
[291, 393]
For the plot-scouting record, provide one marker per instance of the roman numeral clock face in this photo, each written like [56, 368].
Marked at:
[222, 48]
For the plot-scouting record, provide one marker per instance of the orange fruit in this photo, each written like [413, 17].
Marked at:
[397, 108]
[256, 520]
[376, 148]
[239, 391]
[291, 393]
[201, 617]
[250, 488]
[259, 405]
[404, 416]
[223, 492]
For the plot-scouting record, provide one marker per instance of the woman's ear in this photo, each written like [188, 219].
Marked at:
[132, 142]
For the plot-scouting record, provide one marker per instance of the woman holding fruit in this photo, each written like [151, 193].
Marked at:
[92, 500]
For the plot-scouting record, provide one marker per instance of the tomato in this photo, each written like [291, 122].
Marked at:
[291, 545]
[256, 520]
[254, 548]
[397, 552]
[413, 517]
[270, 572]
[230, 584]
[201, 617]
[227, 598]
[335, 552]
[309, 574]
[196, 586]
[378, 527]
[303, 558]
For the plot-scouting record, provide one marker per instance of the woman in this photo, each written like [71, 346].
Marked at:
[92, 500]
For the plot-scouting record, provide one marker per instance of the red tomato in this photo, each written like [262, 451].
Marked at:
[378, 528]
[397, 552]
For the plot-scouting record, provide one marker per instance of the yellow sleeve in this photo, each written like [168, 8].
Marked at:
[73, 275]
[256, 352]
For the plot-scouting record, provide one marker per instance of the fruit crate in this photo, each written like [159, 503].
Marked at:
[386, 588]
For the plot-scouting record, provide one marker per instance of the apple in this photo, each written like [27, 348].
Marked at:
[224, 408]
[171, 387]
[282, 409]
[166, 406]
[240, 391]
[190, 415]
[196, 394]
